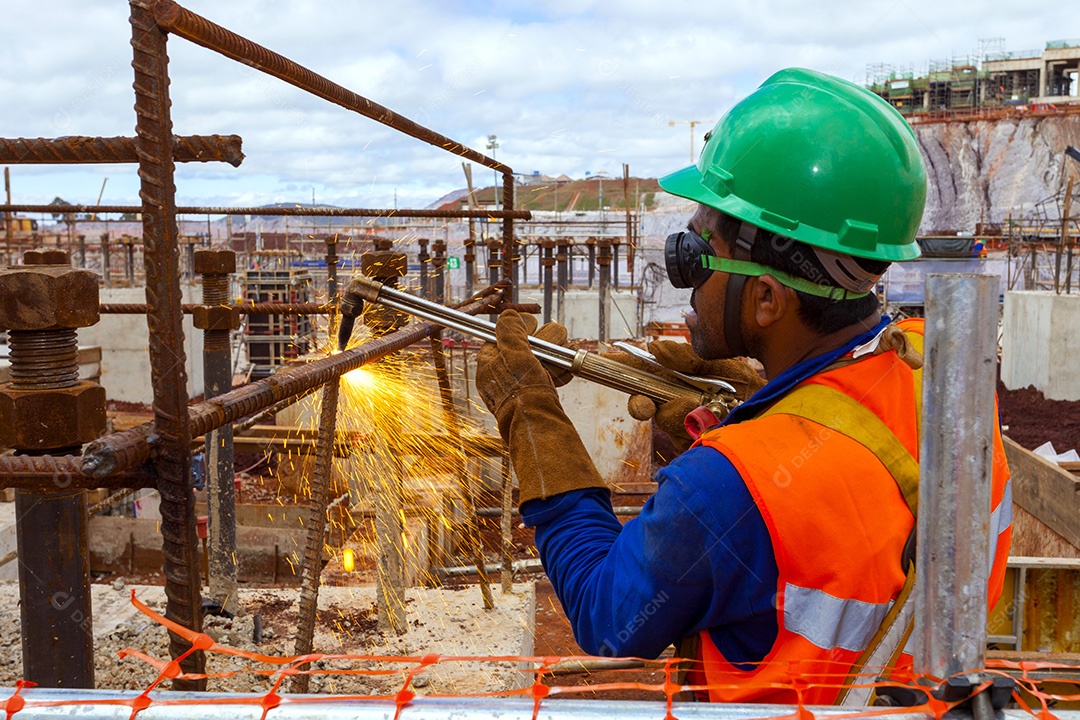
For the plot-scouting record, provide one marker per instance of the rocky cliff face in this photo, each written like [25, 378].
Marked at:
[985, 170]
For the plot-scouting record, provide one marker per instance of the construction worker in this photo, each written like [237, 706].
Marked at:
[778, 548]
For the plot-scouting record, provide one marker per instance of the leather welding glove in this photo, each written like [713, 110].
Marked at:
[545, 449]
[554, 333]
[680, 357]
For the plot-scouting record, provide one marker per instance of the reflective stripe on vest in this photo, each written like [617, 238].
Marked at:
[830, 622]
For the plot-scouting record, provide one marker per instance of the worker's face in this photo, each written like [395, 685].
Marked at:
[705, 320]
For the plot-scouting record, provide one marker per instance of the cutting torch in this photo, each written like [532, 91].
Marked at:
[712, 393]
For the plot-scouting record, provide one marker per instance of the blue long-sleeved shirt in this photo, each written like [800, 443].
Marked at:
[698, 557]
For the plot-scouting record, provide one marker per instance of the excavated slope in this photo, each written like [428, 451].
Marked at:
[984, 170]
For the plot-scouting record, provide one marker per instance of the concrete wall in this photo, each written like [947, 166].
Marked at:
[125, 356]
[581, 311]
[1040, 344]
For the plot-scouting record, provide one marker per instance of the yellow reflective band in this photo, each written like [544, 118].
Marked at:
[847, 416]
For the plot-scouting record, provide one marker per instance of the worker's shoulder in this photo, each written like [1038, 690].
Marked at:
[701, 471]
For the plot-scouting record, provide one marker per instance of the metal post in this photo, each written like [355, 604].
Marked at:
[425, 291]
[470, 262]
[82, 251]
[563, 259]
[331, 270]
[604, 261]
[106, 269]
[591, 243]
[548, 263]
[217, 319]
[439, 266]
[615, 263]
[956, 461]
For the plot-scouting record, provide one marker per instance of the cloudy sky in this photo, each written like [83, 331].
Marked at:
[568, 86]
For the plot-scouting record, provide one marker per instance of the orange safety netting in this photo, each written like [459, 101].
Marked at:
[280, 668]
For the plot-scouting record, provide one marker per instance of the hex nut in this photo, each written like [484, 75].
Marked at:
[215, 262]
[215, 317]
[45, 419]
[45, 256]
[44, 297]
[384, 265]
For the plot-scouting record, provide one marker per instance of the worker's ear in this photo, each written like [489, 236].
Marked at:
[769, 301]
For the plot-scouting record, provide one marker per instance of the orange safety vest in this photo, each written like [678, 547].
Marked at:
[838, 521]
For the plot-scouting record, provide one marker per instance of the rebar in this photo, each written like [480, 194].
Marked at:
[465, 484]
[305, 211]
[160, 239]
[956, 463]
[59, 472]
[190, 26]
[316, 529]
[75, 149]
[128, 448]
[244, 308]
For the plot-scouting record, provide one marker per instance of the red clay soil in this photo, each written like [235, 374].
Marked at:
[1030, 419]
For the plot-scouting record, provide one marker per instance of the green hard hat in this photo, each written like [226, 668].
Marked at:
[817, 159]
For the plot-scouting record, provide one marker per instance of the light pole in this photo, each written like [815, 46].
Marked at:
[692, 124]
[493, 145]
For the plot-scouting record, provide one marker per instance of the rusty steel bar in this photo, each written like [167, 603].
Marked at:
[131, 447]
[282, 211]
[153, 125]
[316, 529]
[197, 29]
[61, 472]
[77, 149]
[453, 428]
[248, 309]
[54, 588]
[510, 255]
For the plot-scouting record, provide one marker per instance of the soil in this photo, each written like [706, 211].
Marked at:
[1030, 419]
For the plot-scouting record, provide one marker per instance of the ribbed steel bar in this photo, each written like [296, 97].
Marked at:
[128, 448]
[77, 149]
[510, 251]
[465, 485]
[153, 125]
[282, 211]
[42, 704]
[52, 472]
[316, 529]
[245, 309]
[956, 463]
[190, 26]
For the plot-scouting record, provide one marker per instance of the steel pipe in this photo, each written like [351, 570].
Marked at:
[956, 461]
[281, 211]
[77, 149]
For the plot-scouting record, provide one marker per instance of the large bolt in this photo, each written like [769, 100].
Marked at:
[45, 405]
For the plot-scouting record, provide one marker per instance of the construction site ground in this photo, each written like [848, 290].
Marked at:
[442, 621]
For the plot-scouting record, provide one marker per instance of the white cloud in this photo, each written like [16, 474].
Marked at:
[568, 86]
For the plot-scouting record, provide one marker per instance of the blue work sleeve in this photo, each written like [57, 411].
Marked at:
[699, 556]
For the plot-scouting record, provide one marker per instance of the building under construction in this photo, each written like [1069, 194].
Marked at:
[992, 82]
[256, 470]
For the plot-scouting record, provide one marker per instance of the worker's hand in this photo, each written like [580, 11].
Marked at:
[554, 333]
[680, 357]
[545, 449]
